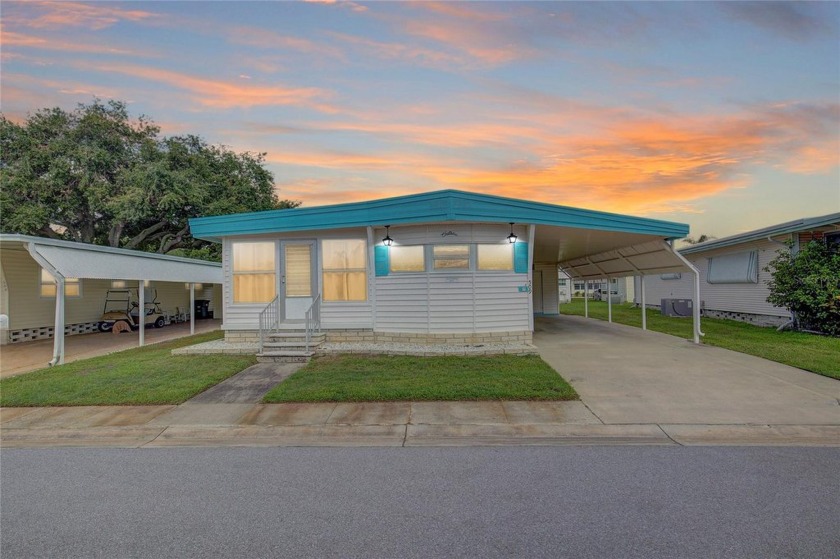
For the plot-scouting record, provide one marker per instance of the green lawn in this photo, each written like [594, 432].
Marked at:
[820, 354]
[147, 375]
[378, 378]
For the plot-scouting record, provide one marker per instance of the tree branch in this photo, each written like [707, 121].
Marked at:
[173, 241]
[140, 237]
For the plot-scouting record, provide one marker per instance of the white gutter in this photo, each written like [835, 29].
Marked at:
[58, 328]
[696, 309]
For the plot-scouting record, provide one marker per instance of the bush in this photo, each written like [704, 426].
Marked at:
[808, 284]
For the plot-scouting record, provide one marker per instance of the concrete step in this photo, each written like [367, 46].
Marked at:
[289, 336]
[291, 345]
[285, 356]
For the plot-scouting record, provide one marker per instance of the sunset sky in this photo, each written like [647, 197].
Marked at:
[723, 116]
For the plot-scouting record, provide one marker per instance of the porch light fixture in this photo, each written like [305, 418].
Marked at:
[511, 238]
[387, 241]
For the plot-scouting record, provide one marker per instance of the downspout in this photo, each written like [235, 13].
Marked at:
[696, 309]
[58, 328]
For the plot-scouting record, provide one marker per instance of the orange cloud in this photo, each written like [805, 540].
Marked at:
[632, 164]
[55, 14]
[227, 94]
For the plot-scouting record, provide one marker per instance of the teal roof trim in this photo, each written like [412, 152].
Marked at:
[431, 207]
[804, 224]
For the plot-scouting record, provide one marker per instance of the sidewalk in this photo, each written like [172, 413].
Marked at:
[372, 424]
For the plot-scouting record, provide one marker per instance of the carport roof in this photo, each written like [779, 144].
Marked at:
[82, 260]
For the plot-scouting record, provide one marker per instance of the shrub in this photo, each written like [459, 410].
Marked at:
[808, 284]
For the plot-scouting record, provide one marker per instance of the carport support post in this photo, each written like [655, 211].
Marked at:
[644, 305]
[58, 330]
[141, 312]
[192, 308]
[586, 298]
[609, 300]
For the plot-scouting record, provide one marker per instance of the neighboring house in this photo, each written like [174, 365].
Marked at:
[29, 304]
[733, 282]
[622, 289]
[442, 266]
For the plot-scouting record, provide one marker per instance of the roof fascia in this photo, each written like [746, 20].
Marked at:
[441, 206]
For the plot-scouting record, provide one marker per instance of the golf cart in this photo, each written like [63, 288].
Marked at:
[121, 306]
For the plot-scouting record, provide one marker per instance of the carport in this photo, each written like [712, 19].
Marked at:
[600, 255]
[79, 261]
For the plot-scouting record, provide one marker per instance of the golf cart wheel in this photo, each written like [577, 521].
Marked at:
[105, 326]
[160, 322]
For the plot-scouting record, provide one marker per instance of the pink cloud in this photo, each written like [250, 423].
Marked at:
[55, 14]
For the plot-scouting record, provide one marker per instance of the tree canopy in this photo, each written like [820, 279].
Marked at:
[97, 176]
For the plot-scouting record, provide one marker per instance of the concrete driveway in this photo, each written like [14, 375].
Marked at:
[629, 376]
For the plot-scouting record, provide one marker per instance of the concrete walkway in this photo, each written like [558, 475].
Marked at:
[371, 424]
[628, 376]
[24, 357]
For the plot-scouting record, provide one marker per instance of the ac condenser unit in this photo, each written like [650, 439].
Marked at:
[677, 307]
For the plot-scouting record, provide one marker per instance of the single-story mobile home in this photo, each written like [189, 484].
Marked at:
[733, 280]
[50, 287]
[447, 265]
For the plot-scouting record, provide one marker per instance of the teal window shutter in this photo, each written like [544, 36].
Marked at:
[520, 258]
[381, 257]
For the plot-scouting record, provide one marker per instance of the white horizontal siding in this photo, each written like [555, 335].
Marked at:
[550, 290]
[730, 297]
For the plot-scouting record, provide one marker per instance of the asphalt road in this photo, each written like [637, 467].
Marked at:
[605, 502]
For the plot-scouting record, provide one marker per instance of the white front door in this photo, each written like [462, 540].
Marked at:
[297, 278]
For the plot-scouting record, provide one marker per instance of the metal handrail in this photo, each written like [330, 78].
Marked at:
[313, 319]
[269, 319]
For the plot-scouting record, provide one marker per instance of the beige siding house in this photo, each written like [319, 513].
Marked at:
[733, 280]
[29, 302]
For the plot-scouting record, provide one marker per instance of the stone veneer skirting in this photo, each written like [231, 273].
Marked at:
[370, 336]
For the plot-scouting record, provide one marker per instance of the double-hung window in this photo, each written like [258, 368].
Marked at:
[72, 286]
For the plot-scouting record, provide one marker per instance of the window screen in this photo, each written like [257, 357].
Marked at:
[408, 259]
[674, 276]
[495, 257]
[451, 257]
[738, 267]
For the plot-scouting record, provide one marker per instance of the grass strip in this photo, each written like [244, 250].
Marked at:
[383, 378]
[139, 376]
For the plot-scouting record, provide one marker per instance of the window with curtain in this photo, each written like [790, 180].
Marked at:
[72, 286]
[254, 272]
[451, 257]
[495, 257]
[408, 258]
[344, 269]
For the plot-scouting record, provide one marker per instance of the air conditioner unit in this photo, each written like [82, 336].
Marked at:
[677, 307]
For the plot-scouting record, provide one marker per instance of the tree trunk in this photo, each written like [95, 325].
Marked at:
[115, 233]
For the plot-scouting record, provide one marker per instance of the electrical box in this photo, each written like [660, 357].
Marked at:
[677, 307]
